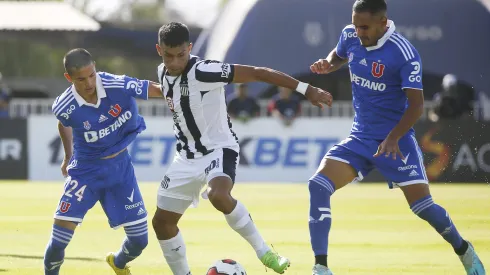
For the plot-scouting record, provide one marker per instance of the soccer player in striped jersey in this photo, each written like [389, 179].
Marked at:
[97, 119]
[207, 147]
[386, 76]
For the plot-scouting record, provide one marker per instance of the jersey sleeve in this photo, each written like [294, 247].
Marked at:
[130, 85]
[62, 109]
[347, 34]
[136, 88]
[411, 73]
[212, 74]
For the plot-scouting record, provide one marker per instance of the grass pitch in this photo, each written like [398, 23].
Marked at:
[373, 231]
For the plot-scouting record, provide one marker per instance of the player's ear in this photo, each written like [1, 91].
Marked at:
[68, 77]
[159, 49]
[190, 47]
[384, 20]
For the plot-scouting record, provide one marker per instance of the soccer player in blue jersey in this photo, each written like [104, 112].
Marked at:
[97, 119]
[386, 76]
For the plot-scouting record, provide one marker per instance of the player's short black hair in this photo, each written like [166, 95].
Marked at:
[76, 59]
[371, 6]
[173, 34]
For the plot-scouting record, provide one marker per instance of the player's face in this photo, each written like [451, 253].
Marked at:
[175, 58]
[369, 27]
[84, 79]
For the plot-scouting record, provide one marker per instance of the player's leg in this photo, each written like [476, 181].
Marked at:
[123, 204]
[77, 199]
[409, 174]
[337, 169]
[220, 169]
[169, 235]
[175, 195]
[422, 204]
[417, 193]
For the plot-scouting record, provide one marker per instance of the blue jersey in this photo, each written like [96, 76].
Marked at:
[109, 126]
[378, 75]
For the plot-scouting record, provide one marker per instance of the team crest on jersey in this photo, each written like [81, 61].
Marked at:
[170, 104]
[115, 110]
[64, 206]
[378, 69]
[351, 57]
[86, 125]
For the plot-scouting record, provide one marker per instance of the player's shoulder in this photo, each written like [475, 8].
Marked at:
[403, 49]
[105, 76]
[349, 34]
[112, 81]
[66, 102]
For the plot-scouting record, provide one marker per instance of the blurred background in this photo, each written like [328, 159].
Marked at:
[283, 138]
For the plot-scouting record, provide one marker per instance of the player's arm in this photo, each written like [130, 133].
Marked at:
[412, 114]
[66, 136]
[330, 64]
[411, 76]
[142, 89]
[411, 83]
[338, 56]
[154, 90]
[214, 74]
[244, 74]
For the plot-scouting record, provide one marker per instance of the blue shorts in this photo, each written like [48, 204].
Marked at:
[110, 181]
[358, 153]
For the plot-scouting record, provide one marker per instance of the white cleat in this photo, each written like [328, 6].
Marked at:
[321, 270]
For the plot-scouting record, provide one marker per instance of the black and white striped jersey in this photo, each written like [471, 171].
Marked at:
[197, 101]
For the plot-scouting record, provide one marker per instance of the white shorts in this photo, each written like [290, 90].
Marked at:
[184, 180]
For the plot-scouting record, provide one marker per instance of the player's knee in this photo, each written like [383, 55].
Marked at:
[319, 184]
[219, 196]
[164, 226]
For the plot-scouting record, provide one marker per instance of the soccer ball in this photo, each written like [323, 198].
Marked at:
[226, 267]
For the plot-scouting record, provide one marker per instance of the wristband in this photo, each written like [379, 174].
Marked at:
[302, 87]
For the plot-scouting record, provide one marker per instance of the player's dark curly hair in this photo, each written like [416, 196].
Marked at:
[173, 34]
[371, 6]
[76, 59]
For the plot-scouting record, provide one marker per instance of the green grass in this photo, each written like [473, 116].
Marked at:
[373, 232]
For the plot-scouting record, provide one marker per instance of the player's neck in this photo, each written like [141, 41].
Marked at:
[92, 99]
[381, 36]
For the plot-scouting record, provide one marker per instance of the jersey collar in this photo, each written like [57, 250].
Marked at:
[99, 88]
[384, 38]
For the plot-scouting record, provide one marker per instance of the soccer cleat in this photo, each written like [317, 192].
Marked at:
[110, 260]
[471, 262]
[319, 269]
[275, 262]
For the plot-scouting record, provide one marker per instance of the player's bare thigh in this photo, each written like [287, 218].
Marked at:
[340, 173]
[65, 224]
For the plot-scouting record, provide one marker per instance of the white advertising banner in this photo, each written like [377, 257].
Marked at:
[270, 151]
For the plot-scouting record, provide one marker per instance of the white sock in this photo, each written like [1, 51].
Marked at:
[239, 219]
[174, 252]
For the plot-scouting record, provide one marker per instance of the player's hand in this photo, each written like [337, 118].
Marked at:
[321, 67]
[318, 97]
[64, 165]
[388, 147]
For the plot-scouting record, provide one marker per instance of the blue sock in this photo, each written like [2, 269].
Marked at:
[136, 240]
[321, 188]
[437, 216]
[55, 251]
